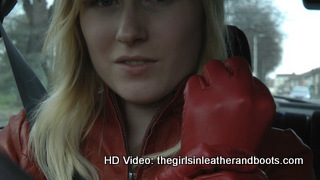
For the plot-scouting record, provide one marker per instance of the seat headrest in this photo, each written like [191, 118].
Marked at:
[237, 43]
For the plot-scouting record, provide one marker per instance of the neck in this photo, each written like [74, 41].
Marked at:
[138, 119]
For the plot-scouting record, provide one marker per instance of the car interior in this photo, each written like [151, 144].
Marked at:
[306, 126]
[301, 116]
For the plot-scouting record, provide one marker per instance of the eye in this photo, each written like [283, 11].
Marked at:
[159, 1]
[104, 3]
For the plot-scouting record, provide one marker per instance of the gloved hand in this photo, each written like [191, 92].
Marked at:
[226, 175]
[227, 107]
[226, 113]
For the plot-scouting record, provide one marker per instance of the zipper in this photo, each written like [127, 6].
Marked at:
[125, 137]
[132, 175]
[155, 117]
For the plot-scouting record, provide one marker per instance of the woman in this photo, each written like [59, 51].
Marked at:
[120, 71]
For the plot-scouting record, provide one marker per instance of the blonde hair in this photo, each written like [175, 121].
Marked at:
[55, 138]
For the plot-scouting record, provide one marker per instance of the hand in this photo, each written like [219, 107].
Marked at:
[226, 106]
[226, 113]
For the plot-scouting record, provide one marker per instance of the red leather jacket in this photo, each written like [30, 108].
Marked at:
[108, 138]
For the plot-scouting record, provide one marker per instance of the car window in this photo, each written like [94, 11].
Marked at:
[284, 41]
[10, 102]
[26, 26]
[283, 36]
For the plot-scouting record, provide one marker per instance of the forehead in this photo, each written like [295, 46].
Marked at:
[77, 5]
[80, 2]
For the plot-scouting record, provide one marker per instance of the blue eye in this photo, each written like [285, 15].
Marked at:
[104, 3]
[160, 1]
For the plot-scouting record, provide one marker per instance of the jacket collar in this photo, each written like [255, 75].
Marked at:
[168, 115]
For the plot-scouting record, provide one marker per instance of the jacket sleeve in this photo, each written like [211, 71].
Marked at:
[285, 144]
[227, 175]
[10, 142]
[14, 144]
[278, 144]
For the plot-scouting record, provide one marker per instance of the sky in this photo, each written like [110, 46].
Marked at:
[301, 45]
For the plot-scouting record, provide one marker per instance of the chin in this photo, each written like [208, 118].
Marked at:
[143, 93]
[143, 97]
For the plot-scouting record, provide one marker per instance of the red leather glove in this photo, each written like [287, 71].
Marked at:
[226, 175]
[226, 113]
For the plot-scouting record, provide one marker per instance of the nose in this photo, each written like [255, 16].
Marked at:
[132, 28]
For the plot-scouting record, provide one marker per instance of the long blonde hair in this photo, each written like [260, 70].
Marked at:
[55, 138]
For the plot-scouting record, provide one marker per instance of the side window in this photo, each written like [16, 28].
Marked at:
[26, 26]
[284, 41]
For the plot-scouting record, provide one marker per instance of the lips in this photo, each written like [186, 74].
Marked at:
[135, 62]
[135, 65]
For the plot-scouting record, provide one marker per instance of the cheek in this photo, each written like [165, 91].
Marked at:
[97, 34]
[98, 39]
[182, 40]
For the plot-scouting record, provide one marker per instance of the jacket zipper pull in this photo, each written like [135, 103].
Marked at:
[131, 176]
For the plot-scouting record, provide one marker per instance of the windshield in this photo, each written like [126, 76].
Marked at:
[283, 36]
[300, 89]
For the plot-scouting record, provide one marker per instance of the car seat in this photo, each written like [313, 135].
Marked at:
[237, 43]
[315, 142]
[299, 123]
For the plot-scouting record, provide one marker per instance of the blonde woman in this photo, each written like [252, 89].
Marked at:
[122, 88]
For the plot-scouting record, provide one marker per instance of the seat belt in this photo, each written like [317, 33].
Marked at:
[30, 88]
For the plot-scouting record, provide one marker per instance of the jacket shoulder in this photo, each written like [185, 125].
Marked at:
[14, 144]
[14, 136]
[294, 157]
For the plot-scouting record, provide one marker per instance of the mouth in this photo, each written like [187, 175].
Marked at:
[134, 60]
[135, 65]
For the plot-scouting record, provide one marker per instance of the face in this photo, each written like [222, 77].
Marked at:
[142, 49]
